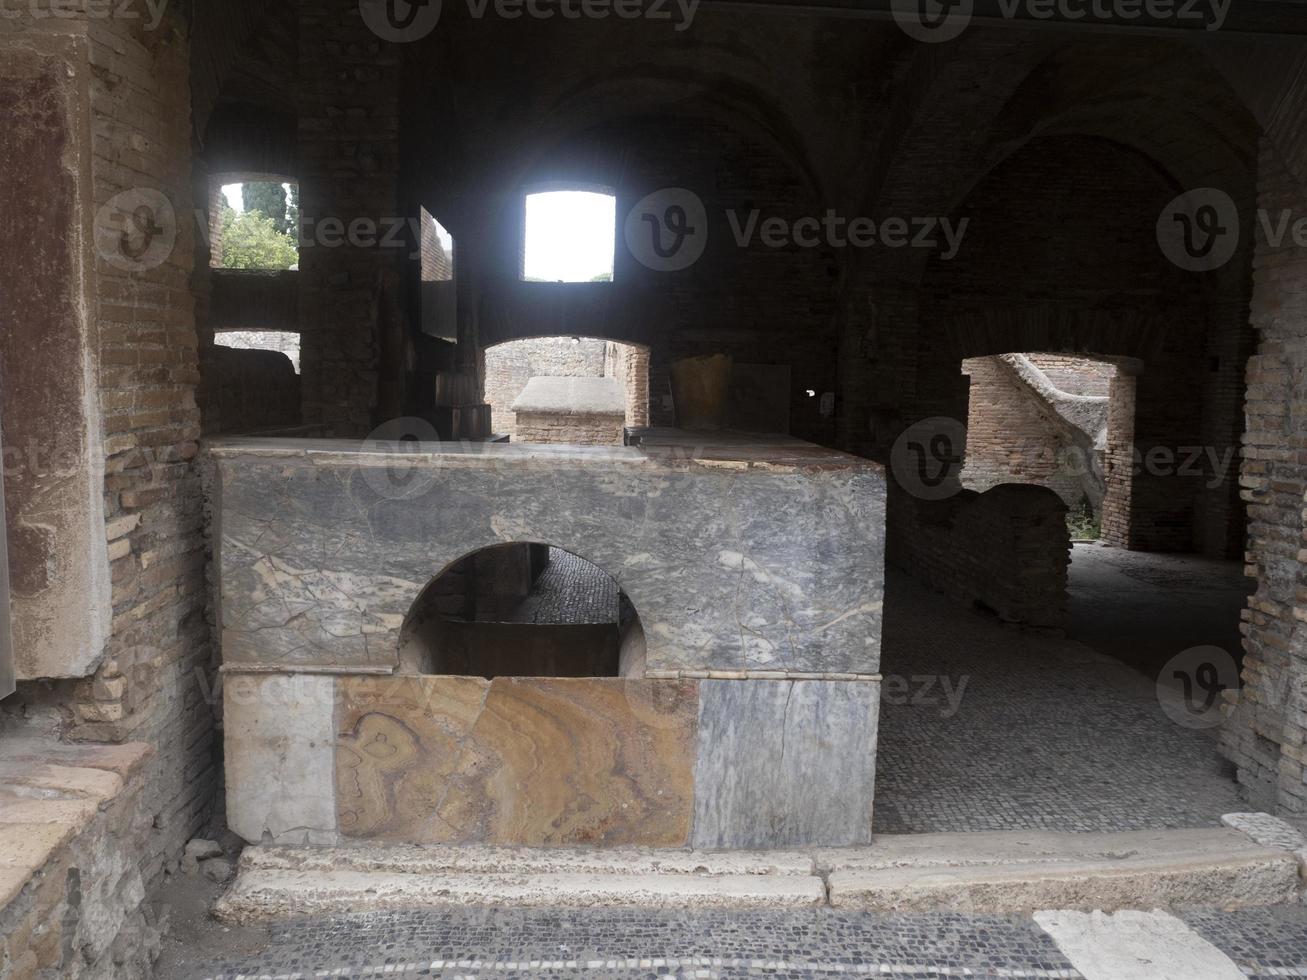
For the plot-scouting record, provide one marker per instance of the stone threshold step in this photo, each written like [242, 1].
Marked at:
[1023, 872]
[266, 893]
[1254, 864]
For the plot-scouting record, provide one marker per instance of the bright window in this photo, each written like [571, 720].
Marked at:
[570, 237]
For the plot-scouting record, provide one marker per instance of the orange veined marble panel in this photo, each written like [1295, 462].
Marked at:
[536, 761]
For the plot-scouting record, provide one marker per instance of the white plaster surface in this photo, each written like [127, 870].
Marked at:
[1135, 946]
[280, 750]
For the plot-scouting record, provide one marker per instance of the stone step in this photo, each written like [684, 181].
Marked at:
[1022, 872]
[260, 893]
[482, 859]
[976, 873]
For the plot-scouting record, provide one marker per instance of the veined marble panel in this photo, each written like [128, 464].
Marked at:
[734, 560]
[539, 761]
[785, 763]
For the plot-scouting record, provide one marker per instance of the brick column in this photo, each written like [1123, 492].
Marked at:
[349, 156]
[1265, 735]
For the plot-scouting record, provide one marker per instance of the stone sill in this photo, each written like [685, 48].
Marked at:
[52, 794]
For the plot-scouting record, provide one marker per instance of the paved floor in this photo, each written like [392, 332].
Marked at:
[1260, 943]
[984, 727]
[1146, 608]
[570, 591]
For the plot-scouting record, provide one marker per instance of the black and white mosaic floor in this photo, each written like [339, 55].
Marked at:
[1259, 943]
[988, 728]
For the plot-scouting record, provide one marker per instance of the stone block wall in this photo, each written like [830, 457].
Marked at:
[1006, 550]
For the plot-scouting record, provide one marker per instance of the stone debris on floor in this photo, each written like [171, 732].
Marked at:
[987, 728]
[476, 942]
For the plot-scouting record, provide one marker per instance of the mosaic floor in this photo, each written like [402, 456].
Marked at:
[1259, 943]
[984, 727]
[569, 591]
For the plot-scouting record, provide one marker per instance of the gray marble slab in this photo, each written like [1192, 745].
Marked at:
[785, 763]
[733, 564]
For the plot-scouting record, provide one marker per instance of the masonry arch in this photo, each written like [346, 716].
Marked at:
[523, 609]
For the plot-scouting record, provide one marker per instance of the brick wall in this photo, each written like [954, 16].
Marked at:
[153, 681]
[1062, 235]
[1015, 437]
[1076, 375]
[254, 390]
[759, 304]
[1119, 462]
[349, 161]
[630, 366]
[510, 366]
[1266, 733]
[569, 428]
[1005, 550]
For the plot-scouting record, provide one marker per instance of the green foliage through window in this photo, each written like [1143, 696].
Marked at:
[252, 240]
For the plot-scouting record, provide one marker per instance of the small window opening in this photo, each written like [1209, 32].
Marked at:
[255, 226]
[570, 237]
[437, 251]
[523, 610]
[282, 341]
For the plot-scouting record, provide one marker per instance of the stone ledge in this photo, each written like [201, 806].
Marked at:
[67, 815]
[572, 396]
[260, 894]
[1017, 872]
[478, 859]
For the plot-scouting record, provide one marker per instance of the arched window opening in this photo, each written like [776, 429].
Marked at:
[523, 610]
[570, 236]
